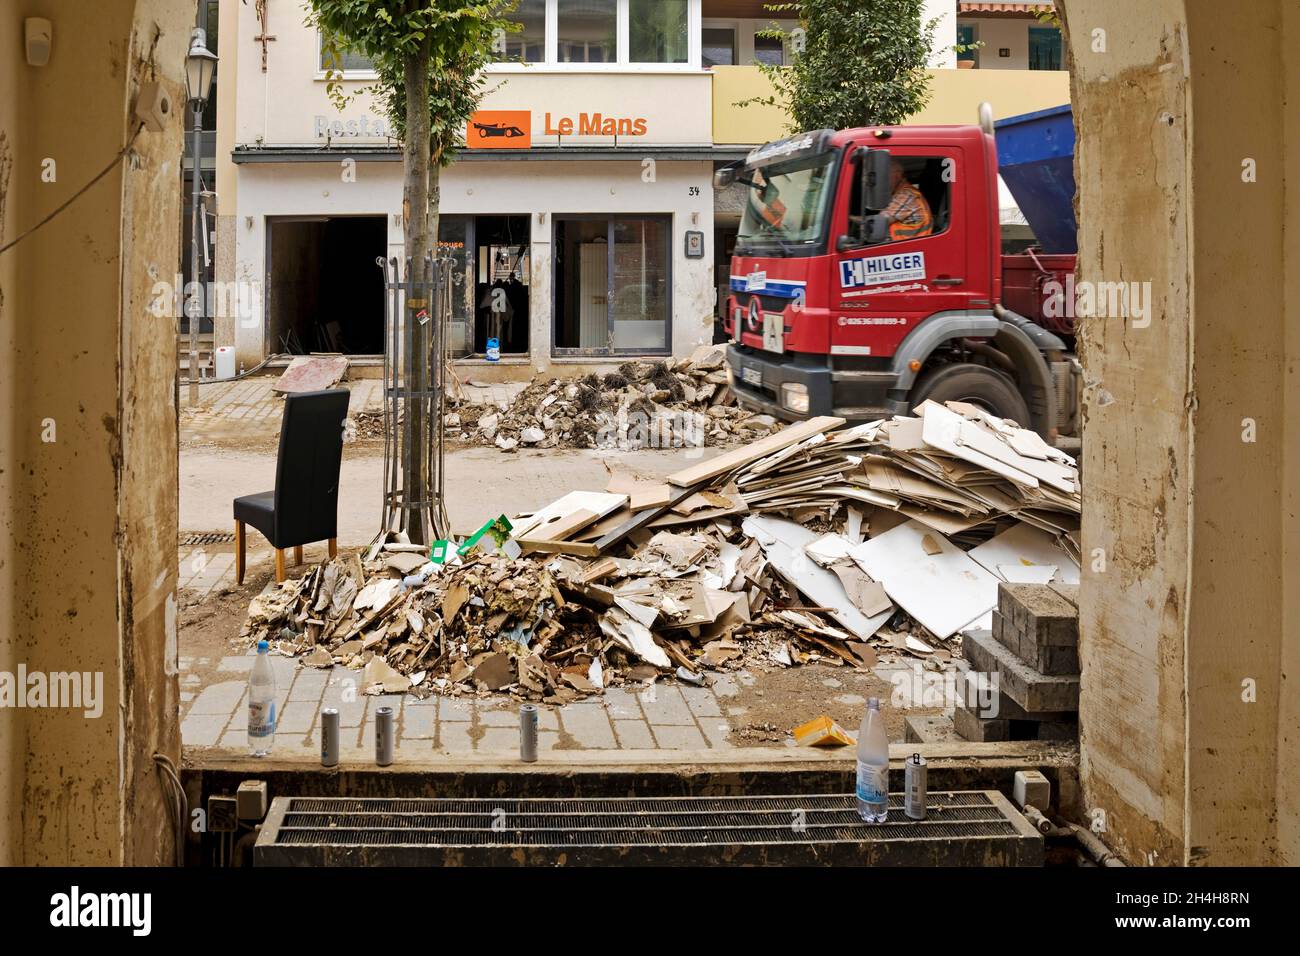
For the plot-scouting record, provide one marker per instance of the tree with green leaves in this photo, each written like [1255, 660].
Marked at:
[429, 57]
[854, 63]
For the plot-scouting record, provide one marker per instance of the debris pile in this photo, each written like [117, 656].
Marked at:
[670, 404]
[814, 543]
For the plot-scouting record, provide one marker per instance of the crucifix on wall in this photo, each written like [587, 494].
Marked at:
[263, 38]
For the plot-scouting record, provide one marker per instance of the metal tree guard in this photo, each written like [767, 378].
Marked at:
[414, 397]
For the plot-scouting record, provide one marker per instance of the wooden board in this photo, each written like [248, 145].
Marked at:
[737, 457]
[561, 527]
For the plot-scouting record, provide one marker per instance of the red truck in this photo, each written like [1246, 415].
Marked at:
[829, 315]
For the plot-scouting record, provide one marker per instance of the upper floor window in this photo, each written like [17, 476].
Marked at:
[529, 43]
[718, 47]
[659, 31]
[343, 60]
[588, 31]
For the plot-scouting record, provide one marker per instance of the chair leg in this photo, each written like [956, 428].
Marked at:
[279, 565]
[297, 554]
[334, 547]
[239, 552]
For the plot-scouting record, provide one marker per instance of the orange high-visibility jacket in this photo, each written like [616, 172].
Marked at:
[910, 212]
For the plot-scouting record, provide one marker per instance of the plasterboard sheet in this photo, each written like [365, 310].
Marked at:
[1027, 546]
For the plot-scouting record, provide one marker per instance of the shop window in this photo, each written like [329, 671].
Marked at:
[718, 47]
[658, 31]
[1044, 48]
[491, 276]
[529, 43]
[612, 285]
[588, 31]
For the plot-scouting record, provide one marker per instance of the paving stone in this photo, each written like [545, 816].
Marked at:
[928, 730]
[725, 685]
[453, 736]
[679, 738]
[666, 706]
[622, 703]
[296, 719]
[220, 698]
[715, 730]
[633, 735]
[588, 725]
[310, 685]
[701, 701]
[499, 739]
[240, 665]
[419, 722]
[455, 709]
[202, 730]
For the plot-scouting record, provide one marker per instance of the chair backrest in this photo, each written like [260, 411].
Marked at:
[307, 468]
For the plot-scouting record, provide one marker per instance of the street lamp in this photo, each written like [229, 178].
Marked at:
[200, 65]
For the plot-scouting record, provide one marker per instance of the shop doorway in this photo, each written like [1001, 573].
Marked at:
[492, 277]
[613, 285]
[324, 292]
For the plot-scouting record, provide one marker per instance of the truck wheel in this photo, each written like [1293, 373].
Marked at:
[990, 390]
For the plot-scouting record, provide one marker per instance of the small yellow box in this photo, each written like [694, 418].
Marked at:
[822, 732]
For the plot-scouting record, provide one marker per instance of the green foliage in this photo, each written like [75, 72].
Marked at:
[454, 36]
[862, 63]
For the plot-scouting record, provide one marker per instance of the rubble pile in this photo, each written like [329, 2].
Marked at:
[815, 543]
[668, 404]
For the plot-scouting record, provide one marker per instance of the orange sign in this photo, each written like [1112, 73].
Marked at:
[499, 129]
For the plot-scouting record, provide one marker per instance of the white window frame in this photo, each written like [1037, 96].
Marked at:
[323, 74]
[623, 33]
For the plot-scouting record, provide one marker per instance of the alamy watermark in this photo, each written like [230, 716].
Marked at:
[976, 691]
[1104, 300]
[237, 299]
[56, 690]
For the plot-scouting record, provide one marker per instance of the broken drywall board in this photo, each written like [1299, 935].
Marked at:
[311, 373]
[730, 461]
[601, 502]
[944, 591]
[1026, 573]
[783, 542]
[1028, 546]
[944, 430]
[559, 527]
[640, 519]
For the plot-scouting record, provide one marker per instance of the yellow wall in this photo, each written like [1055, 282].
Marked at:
[955, 96]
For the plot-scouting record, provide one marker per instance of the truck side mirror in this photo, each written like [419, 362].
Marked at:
[724, 177]
[875, 230]
[876, 191]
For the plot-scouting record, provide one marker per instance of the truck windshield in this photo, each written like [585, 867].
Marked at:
[787, 204]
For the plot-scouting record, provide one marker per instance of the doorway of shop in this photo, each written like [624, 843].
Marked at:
[324, 292]
[492, 276]
[613, 285]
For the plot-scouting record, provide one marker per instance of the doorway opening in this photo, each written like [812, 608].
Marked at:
[492, 276]
[324, 292]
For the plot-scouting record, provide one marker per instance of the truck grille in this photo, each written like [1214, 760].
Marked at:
[972, 827]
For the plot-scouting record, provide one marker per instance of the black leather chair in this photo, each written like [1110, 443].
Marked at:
[303, 507]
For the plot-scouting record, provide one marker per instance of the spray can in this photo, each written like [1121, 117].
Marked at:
[329, 737]
[528, 733]
[914, 774]
[385, 736]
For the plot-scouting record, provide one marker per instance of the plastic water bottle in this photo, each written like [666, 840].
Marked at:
[494, 350]
[261, 704]
[873, 765]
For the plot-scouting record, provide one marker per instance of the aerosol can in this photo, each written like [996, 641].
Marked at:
[873, 765]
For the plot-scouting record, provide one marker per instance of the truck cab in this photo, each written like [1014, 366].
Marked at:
[868, 277]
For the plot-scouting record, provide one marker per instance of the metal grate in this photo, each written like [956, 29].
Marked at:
[976, 827]
[196, 538]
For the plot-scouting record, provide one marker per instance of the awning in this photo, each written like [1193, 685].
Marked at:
[1004, 9]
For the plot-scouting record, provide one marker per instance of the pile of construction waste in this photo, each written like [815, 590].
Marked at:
[815, 543]
[675, 403]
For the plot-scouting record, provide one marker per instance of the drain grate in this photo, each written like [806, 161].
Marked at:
[196, 538]
[967, 827]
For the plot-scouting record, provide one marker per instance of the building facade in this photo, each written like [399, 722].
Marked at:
[581, 216]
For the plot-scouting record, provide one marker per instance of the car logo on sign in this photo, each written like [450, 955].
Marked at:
[755, 319]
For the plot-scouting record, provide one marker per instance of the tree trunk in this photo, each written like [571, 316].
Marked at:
[415, 214]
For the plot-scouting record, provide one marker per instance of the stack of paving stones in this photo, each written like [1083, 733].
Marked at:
[1034, 650]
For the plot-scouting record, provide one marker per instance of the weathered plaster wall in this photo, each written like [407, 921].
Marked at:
[1188, 518]
[90, 518]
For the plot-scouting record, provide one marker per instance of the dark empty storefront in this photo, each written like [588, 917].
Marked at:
[324, 292]
[491, 275]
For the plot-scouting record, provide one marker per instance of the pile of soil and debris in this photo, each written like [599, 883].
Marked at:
[844, 546]
[675, 403]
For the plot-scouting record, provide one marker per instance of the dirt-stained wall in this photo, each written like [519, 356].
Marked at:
[1181, 173]
[88, 458]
